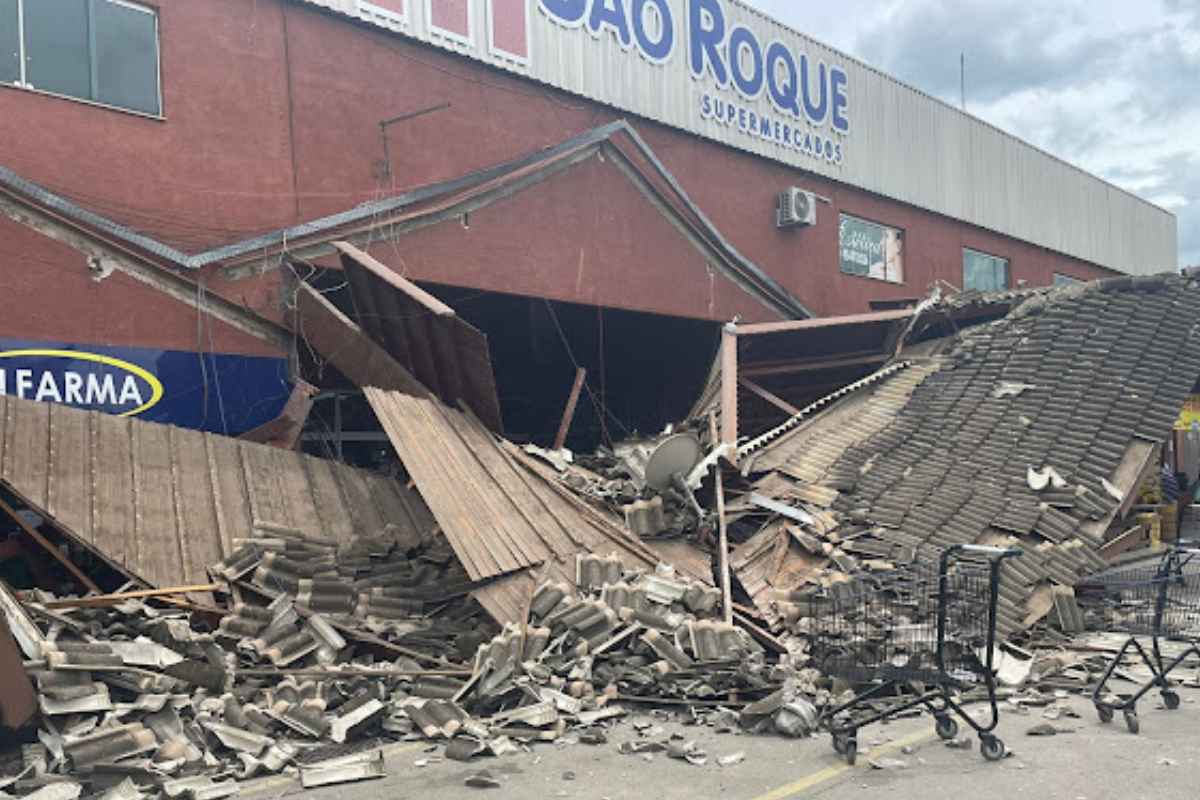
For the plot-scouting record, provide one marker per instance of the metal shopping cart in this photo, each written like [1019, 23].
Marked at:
[919, 638]
[1160, 601]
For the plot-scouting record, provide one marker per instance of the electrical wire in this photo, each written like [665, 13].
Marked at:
[601, 410]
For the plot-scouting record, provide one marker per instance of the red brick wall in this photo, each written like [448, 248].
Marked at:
[272, 113]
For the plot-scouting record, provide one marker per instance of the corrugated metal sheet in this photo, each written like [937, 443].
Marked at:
[502, 514]
[339, 340]
[807, 453]
[445, 353]
[902, 144]
[164, 503]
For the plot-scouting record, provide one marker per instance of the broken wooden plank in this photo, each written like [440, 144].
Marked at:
[770, 397]
[568, 416]
[97, 601]
[49, 548]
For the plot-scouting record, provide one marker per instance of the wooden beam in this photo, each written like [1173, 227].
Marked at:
[729, 378]
[96, 601]
[342, 342]
[352, 256]
[49, 548]
[818, 323]
[569, 412]
[773, 399]
[813, 365]
[722, 532]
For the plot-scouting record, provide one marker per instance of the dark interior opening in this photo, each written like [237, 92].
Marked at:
[25, 564]
[644, 371]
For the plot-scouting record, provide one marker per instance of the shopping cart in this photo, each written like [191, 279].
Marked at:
[920, 638]
[1160, 601]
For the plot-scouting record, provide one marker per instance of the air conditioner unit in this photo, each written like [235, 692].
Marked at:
[796, 207]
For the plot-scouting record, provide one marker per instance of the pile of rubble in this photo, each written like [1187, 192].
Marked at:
[326, 647]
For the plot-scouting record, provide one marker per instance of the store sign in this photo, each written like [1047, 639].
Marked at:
[79, 378]
[216, 392]
[739, 65]
[870, 250]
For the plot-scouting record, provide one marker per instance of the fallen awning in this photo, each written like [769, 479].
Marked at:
[504, 517]
[442, 351]
[161, 503]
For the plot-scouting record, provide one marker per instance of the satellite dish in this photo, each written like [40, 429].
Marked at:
[675, 455]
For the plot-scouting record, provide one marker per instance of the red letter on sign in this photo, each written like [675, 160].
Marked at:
[451, 19]
[510, 35]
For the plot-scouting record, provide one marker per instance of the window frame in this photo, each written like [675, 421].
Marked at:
[1007, 269]
[457, 40]
[500, 53]
[23, 84]
[385, 16]
[901, 237]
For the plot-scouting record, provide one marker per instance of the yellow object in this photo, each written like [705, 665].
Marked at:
[1189, 415]
[1153, 525]
[1169, 517]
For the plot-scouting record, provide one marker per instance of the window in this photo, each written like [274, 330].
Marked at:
[388, 9]
[871, 250]
[10, 43]
[1065, 280]
[450, 19]
[100, 50]
[983, 272]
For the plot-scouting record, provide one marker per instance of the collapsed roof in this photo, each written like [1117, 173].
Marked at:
[1037, 427]
[161, 504]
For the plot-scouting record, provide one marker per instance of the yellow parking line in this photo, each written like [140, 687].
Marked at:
[829, 773]
[280, 781]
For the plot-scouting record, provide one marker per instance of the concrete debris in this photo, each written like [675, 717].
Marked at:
[887, 763]
[359, 767]
[483, 780]
[1011, 389]
[67, 790]
[1046, 729]
[1043, 479]
[689, 752]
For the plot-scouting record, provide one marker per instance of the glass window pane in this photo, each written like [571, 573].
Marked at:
[56, 47]
[126, 56]
[983, 272]
[10, 45]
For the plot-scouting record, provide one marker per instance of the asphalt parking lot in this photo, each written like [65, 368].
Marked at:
[1091, 762]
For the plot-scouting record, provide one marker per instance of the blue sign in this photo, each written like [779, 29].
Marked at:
[809, 98]
[215, 392]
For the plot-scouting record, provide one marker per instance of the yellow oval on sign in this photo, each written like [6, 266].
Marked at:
[156, 387]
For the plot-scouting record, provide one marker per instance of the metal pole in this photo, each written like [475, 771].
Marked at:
[962, 76]
[722, 531]
[337, 424]
[569, 412]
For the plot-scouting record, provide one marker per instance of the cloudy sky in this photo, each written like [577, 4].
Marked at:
[1109, 85]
